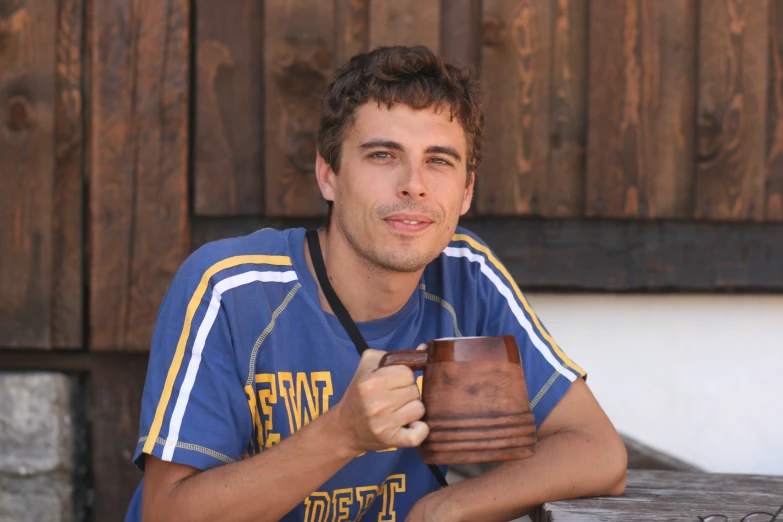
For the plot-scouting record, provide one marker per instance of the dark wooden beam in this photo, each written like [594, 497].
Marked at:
[15, 359]
[605, 255]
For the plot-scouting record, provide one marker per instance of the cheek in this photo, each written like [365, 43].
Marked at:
[356, 199]
[451, 197]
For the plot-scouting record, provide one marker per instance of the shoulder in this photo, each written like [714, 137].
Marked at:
[468, 260]
[465, 243]
[467, 252]
[267, 247]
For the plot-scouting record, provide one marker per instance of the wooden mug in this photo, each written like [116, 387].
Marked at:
[475, 398]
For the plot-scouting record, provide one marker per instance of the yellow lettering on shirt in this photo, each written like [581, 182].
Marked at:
[340, 502]
[317, 507]
[305, 395]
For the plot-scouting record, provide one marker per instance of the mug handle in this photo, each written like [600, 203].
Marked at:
[413, 359]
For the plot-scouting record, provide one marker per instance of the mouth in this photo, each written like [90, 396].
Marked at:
[408, 223]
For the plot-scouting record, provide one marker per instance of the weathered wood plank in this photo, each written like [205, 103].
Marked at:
[516, 75]
[352, 29]
[460, 40]
[774, 164]
[68, 215]
[605, 255]
[298, 63]
[565, 182]
[667, 495]
[641, 109]
[27, 143]
[138, 165]
[713, 482]
[117, 386]
[666, 504]
[664, 514]
[460, 32]
[732, 104]
[228, 171]
[405, 22]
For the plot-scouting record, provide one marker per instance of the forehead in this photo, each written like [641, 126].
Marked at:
[407, 126]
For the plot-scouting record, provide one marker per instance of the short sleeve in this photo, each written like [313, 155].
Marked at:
[503, 310]
[194, 409]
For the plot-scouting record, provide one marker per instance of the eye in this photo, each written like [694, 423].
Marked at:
[441, 161]
[380, 155]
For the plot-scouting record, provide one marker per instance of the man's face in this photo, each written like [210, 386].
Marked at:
[402, 185]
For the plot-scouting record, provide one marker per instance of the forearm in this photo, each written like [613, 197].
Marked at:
[567, 464]
[264, 487]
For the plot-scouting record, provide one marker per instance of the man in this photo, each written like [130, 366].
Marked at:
[258, 406]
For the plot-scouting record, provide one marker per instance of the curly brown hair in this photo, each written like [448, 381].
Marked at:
[414, 76]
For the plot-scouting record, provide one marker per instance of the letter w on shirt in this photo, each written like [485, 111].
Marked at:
[305, 396]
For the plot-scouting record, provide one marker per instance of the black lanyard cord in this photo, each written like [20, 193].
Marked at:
[343, 316]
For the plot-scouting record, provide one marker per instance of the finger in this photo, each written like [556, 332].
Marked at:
[389, 403]
[422, 346]
[411, 436]
[408, 413]
[395, 377]
[402, 396]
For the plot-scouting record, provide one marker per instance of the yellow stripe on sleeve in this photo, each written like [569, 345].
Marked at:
[179, 354]
[481, 248]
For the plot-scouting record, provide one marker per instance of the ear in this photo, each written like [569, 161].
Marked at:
[467, 197]
[326, 177]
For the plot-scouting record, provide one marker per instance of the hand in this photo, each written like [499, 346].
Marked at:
[381, 407]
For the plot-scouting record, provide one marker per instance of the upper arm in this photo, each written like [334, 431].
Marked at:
[577, 409]
[194, 408]
[160, 477]
[579, 414]
[502, 309]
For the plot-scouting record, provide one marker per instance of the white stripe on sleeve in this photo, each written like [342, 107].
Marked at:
[201, 338]
[506, 292]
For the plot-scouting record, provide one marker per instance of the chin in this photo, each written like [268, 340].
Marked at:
[403, 260]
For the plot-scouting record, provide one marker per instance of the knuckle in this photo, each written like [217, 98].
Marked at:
[373, 408]
[414, 411]
[377, 429]
[365, 387]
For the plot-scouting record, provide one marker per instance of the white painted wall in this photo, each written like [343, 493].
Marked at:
[697, 376]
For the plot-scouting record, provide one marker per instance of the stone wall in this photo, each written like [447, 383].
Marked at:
[42, 445]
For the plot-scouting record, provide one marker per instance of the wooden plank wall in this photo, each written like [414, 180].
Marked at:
[640, 160]
[681, 123]
[41, 186]
[139, 129]
[684, 122]
[123, 123]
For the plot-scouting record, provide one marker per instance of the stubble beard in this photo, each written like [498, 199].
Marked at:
[390, 260]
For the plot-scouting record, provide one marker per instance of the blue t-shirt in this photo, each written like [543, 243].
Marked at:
[243, 356]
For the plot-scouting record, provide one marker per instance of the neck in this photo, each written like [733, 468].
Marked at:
[367, 292]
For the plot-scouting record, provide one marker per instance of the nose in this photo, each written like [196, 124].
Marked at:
[413, 185]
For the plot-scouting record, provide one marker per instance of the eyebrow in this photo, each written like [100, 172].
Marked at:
[393, 145]
[441, 149]
[385, 144]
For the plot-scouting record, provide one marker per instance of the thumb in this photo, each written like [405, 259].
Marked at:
[422, 346]
[370, 360]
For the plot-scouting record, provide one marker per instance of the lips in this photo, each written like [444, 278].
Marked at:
[408, 223]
